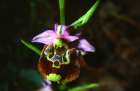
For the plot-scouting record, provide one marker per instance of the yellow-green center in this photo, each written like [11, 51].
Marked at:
[54, 77]
[58, 43]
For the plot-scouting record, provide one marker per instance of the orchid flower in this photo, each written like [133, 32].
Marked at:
[55, 37]
[60, 51]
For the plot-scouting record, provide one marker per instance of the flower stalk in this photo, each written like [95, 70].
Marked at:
[62, 9]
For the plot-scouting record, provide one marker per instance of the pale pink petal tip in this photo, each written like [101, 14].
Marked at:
[46, 37]
[86, 46]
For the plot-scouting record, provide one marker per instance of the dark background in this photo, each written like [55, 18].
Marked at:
[114, 30]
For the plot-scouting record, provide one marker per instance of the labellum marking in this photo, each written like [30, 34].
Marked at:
[57, 70]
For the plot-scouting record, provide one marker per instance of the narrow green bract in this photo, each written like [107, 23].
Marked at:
[32, 47]
[85, 18]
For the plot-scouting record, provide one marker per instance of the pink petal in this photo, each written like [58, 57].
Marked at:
[46, 88]
[86, 46]
[70, 38]
[47, 37]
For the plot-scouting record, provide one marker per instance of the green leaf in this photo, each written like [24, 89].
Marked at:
[85, 18]
[32, 47]
[62, 9]
[31, 77]
[84, 87]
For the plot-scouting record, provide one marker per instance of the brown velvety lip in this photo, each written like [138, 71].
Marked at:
[69, 72]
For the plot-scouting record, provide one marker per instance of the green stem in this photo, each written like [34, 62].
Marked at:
[62, 9]
[84, 87]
